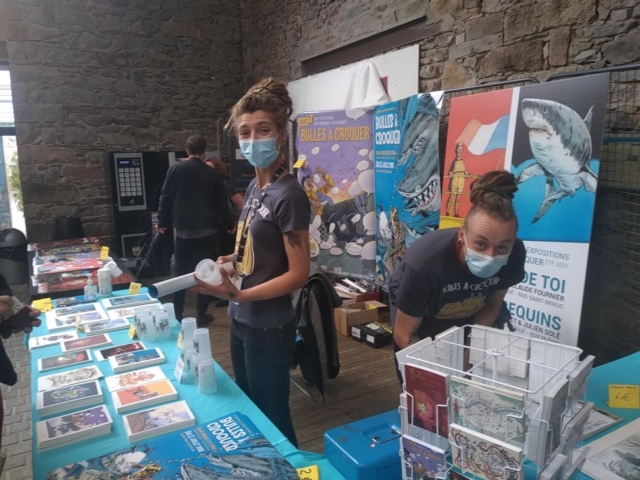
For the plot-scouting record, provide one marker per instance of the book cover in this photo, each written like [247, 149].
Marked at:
[157, 392]
[554, 403]
[228, 447]
[46, 340]
[127, 312]
[72, 423]
[422, 460]
[76, 309]
[59, 323]
[598, 421]
[87, 342]
[428, 394]
[128, 301]
[137, 359]
[131, 379]
[71, 393]
[117, 350]
[496, 411]
[71, 266]
[103, 326]
[158, 420]
[78, 375]
[64, 360]
[484, 456]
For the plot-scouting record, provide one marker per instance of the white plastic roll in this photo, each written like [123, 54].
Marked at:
[202, 343]
[172, 285]
[207, 384]
[188, 327]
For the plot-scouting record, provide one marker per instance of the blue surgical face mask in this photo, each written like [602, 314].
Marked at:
[261, 153]
[481, 265]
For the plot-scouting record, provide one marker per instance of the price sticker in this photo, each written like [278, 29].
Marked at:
[300, 163]
[624, 396]
[134, 288]
[133, 333]
[309, 473]
[104, 253]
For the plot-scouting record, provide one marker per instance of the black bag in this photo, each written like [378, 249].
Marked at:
[7, 373]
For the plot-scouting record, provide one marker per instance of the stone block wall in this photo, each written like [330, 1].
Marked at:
[93, 76]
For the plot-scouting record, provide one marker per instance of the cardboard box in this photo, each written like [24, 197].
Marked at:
[356, 314]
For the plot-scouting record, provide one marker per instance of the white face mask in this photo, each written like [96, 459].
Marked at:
[482, 265]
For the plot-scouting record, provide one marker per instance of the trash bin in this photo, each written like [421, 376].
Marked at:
[66, 228]
[13, 256]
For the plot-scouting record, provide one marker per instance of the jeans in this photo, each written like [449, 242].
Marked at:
[188, 252]
[261, 359]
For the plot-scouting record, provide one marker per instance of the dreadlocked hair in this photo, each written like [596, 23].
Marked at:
[493, 194]
[269, 95]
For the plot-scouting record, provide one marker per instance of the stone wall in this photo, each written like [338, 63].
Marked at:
[92, 76]
[474, 41]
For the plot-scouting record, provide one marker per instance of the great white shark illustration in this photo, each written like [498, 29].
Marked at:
[561, 145]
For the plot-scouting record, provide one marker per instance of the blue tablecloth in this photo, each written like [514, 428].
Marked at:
[228, 398]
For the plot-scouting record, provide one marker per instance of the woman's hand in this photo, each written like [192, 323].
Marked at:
[226, 290]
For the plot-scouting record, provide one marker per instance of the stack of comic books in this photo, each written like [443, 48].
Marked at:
[142, 396]
[158, 421]
[73, 427]
[134, 360]
[228, 447]
[68, 398]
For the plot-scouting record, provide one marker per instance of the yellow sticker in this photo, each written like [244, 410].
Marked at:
[44, 304]
[300, 163]
[132, 332]
[134, 288]
[309, 473]
[179, 342]
[104, 253]
[624, 396]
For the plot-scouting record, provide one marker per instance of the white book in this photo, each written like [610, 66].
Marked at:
[135, 360]
[94, 341]
[79, 375]
[143, 396]
[72, 397]
[136, 377]
[555, 469]
[158, 421]
[53, 339]
[105, 326]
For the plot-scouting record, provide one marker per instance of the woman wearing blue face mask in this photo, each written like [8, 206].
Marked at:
[271, 258]
[454, 277]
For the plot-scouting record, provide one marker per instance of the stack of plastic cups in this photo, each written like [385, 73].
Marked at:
[205, 371]
[207, 384]
[170, 310]
[144, 326]
[161, 321]
[188, 328]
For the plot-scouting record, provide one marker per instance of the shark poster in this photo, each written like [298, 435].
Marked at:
[335, 151]
[557, 142]
[407, 176]
[476, 143]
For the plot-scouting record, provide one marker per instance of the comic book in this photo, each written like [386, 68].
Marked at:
[224, 449]
[336, 152]
[407, 176]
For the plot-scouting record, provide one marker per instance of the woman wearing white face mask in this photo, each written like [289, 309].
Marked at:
[271, 258]
[455, 277]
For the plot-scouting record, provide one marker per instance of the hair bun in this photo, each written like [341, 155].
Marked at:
[497, 182]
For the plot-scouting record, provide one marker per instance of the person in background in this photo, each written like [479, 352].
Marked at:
[193, 200]
[454, 277]
[8, 375]
[272, 255]
[227, 238]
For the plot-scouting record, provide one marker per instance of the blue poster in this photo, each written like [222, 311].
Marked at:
[407, 177]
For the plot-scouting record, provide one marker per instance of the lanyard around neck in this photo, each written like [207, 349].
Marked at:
[251, 213]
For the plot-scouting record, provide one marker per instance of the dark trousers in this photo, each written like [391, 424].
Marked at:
[188, 252]
[261, 360]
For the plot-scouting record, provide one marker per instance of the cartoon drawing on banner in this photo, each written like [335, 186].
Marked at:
[338, 180]
[407, 176]
[476, 143]
[556, 152]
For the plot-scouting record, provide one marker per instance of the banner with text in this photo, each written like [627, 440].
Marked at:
[550, 138]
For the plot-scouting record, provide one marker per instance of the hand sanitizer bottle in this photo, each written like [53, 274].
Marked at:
[90, 290]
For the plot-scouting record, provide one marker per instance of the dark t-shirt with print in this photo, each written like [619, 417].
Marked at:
[432, 283]
[285, 208]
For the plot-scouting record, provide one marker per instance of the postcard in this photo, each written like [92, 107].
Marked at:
[72, 423]
[59, 323]
[87, 342]
[128, 301]
[137, 377]
[147, 421]
[117, 350]
[422, 460]
[46, 340]
[76, 309]
[134, 359]
[428, 394]
[129, 312]
[79, 375]
[64, 360]
[616, 455]
[71, 393]
[143, 395]
[102, 326]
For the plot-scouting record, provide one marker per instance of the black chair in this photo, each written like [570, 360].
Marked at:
[66, 228]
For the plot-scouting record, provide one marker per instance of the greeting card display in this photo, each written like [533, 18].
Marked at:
[131, 379]
[72, 397]
[158, 421]
[79, 375]
[142, 396]
[73, 427]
